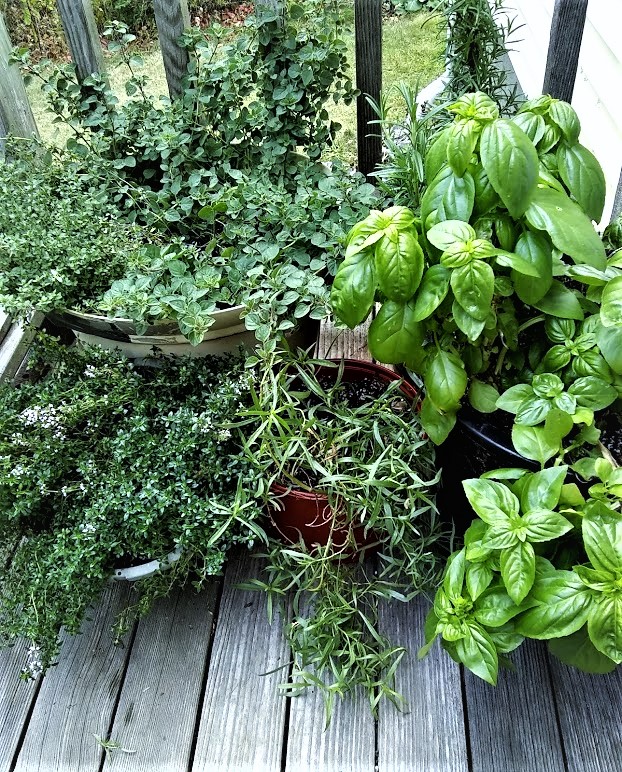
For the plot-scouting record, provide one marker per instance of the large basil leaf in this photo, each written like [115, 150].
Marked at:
[565, 117]
[462, 140]
[437, 425]
[609, 340]
[570, 229]
[564, 607]
[577, 650]
[602, 537]
[444, 234]
[584, 178]
[477, 652]
[533, 411]
[470, 326]
[536, 249]
[494, 502]
[486, 197]
[436, 157]
[474, 286]
[533, 442]
[445, 380]
[399, 265]
[394, 336]
[560, 301]
[532, 124]
[450, 196]
[611, 303]
[458, 198]
[543, 489]
[478, 578]
[593, 393]
[483, 396]
[453, 581]
[513, 398]
[604, 626]
[518, 569]
[432, 291]
[511, 163]
[494, 607]
[505, 639]
[544, 525]
[354, 288]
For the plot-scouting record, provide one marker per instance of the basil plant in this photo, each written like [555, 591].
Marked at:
[501, 274]
[540, 561]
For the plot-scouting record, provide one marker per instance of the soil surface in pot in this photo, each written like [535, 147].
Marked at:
[609, 422]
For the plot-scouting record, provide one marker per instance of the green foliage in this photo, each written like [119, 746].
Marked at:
[535, 566]
[101, 461]
[217, 173]
[516, 281]
[478, 35]
[361, 445]
[60, 242]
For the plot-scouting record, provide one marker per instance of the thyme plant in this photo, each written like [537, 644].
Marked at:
[103, 462]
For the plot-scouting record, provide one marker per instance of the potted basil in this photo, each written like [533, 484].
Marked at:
[499, 280]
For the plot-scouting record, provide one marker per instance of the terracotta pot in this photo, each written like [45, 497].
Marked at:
[307, 515]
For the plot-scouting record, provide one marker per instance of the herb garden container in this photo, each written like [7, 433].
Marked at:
[227, 334]
[305, 515]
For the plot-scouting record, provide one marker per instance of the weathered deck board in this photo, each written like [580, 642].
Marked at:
[334, 343]
[590, 710]
[431, 736]
[14, 345]
[78, 697]
[16, 697]
[162, 688]
[513, 726]
[243, 717]
[347, 744]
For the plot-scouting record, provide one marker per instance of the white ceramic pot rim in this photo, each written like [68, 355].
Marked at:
[144, 570]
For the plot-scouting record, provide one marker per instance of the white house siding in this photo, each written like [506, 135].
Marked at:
[598, 88]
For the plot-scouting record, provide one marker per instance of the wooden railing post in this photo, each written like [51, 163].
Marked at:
[368, 47]
[15, 112]
[564, 46]
[617, 201]
[172, 18]
[82, 36]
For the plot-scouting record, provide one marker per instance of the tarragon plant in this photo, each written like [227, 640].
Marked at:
[541, 562]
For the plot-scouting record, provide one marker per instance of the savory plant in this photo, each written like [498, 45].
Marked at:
[104, 463]
[540, 561]
[362, 447]
[502, 255]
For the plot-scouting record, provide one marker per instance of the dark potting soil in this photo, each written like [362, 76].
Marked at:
[609, 422]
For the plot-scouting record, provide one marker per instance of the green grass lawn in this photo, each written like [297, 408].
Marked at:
[412, 52]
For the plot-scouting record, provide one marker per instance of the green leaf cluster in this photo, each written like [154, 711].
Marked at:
[511, 258]
[534, 566]
[103, 461]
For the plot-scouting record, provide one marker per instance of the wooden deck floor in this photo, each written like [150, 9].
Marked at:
[189, 691]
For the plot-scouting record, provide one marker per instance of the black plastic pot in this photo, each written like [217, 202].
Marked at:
[480, 442]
